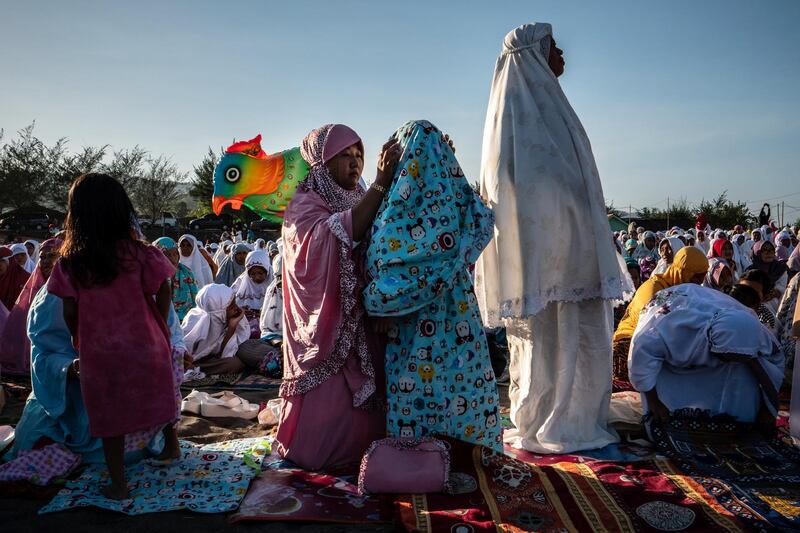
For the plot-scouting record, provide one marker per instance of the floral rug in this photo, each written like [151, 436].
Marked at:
[757, 477]
[494, 492]
[246, 381]
[207, 479]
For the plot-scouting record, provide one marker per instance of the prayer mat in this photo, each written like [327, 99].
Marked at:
[256, 381]
[284, 492]
[621, 452]
[213, 381]
[245, 381]
[207, 479]
[754, 476]
[494, 492]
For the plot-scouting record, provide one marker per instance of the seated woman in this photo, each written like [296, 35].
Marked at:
[20, 255]
[33, 247]
[635, 271]
[184, 286]
[667, 249]
[688, 266]
[233, 265]
[251, 287]
[719, 277]
[194, 260]
[271, 321]
[55, 411]
[12, 278]
[428, 233]
[764, 259]
[222, 251]
[647, 247]
[15, 348]
[217, 333]
[723, 249]
[333, 368]
[696, 348]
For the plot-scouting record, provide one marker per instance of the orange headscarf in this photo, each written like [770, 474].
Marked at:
[688, 262]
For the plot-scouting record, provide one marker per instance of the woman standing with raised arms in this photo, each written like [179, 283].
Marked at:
[539, 176]
[333, 378]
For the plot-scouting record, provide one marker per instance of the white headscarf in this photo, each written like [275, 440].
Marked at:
[675, 244]
[259, 244]
[539, 176]
[196, 262]
[18, 249]
[221, 254]
[204, 326]
[249, 293]
[36, 247]
[272, 311]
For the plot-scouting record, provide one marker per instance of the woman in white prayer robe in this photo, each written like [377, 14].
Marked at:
[697, 348]
[539, 176]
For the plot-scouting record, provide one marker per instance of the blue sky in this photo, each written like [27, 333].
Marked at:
[681, 98]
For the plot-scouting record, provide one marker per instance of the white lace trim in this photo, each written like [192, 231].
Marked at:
[527, 306]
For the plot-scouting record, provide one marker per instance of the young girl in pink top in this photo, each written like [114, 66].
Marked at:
[108, 280]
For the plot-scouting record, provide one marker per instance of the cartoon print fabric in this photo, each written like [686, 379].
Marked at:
[430, 228]
[207, 479]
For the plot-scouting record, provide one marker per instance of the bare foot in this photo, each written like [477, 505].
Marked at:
[172, 448]
[115, 492]
[169, 452]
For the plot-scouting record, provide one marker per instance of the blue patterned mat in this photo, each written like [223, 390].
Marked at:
[207, 479]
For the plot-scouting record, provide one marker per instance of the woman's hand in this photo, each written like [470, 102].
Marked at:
[234, 320]
[188, 362]
[387, 162]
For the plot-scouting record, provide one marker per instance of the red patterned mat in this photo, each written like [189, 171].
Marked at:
[494, 492]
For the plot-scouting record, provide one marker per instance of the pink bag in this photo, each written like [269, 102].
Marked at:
[402, 466]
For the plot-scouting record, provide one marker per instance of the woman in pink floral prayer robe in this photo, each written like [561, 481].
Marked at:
[333, 379]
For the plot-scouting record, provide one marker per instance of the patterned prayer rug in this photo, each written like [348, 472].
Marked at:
[284, 492]
[754, 476]
[207, 479]
[256, 381]
[213, 381]
[247, 381]
[494, 492]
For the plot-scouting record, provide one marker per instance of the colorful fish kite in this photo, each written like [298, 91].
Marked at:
[264, 183]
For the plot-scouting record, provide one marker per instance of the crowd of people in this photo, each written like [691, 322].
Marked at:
[373, 306]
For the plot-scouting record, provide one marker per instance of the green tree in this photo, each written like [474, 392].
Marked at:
[127, 165]
[65, 167]
[723, 213]
[202, 188]
[156, 190]
[25, 164]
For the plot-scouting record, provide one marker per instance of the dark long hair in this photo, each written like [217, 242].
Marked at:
[100, 216]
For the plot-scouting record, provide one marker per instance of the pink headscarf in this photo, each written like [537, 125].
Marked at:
[324, 331]
[14, 344]
[319, 147]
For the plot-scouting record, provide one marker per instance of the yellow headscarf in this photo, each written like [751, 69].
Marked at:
[688, 262]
